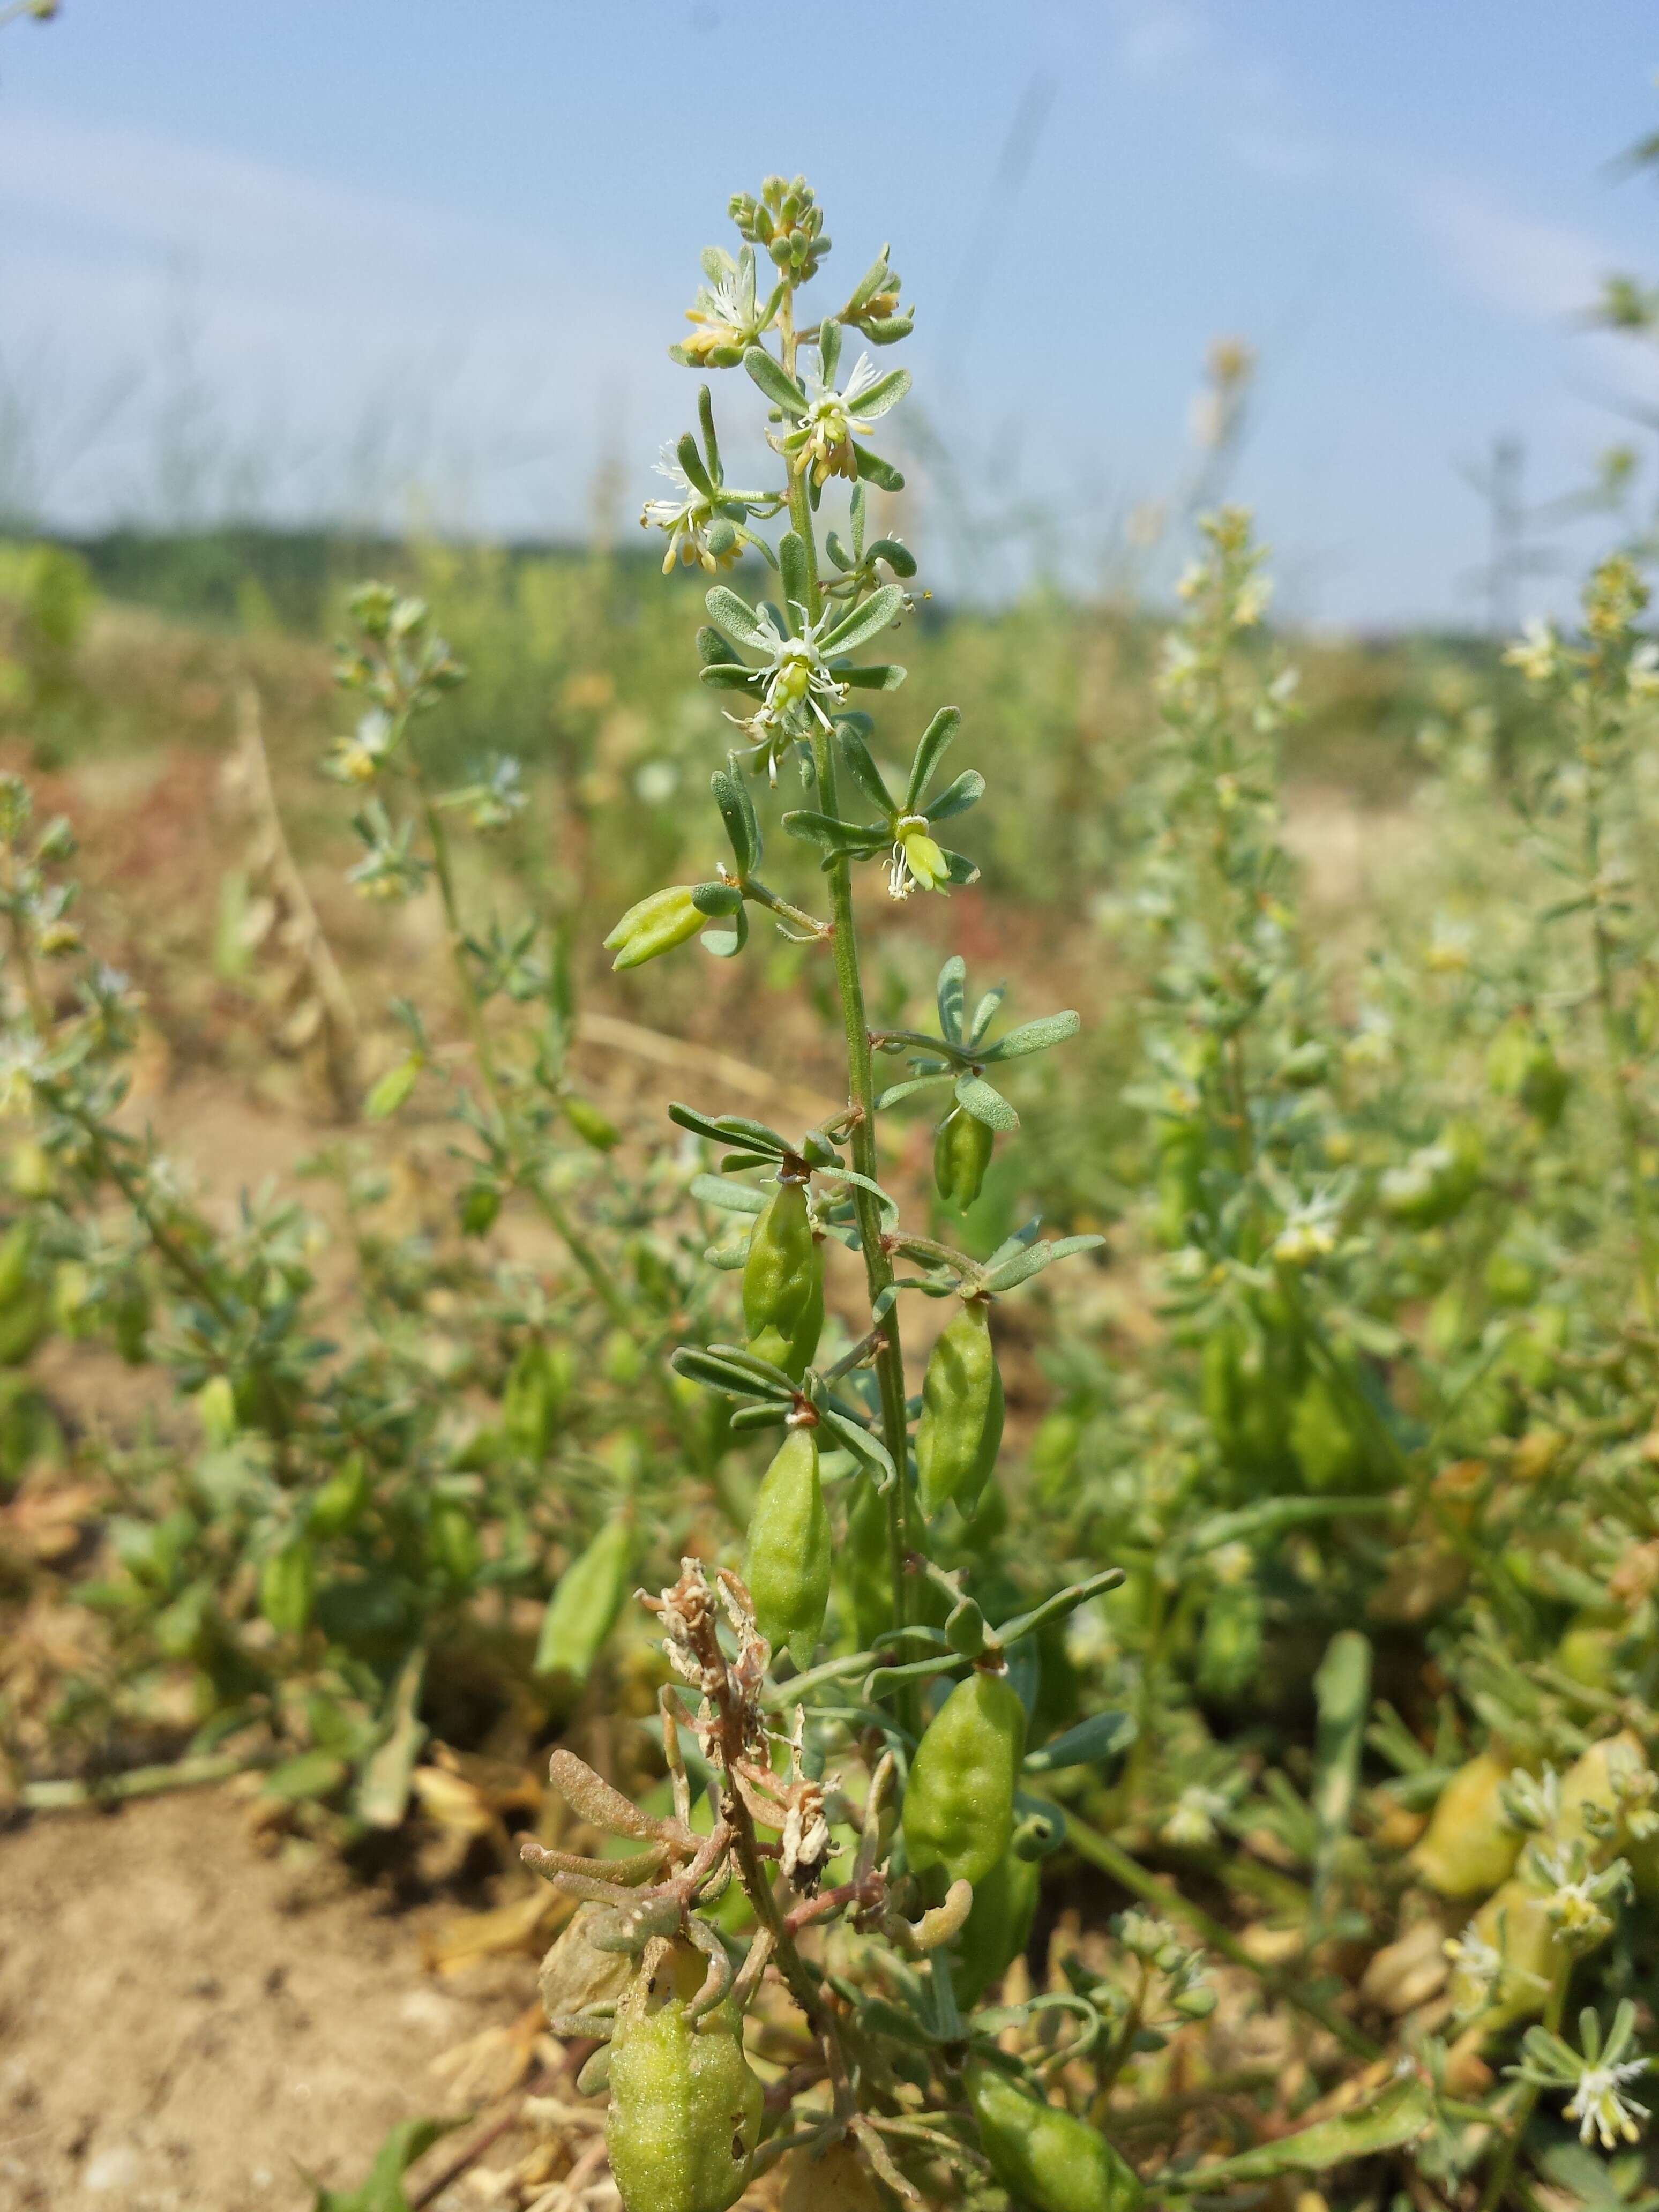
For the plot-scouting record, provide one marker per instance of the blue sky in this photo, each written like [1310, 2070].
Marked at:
[426, 255]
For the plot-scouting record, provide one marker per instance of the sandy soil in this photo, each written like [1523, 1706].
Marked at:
[185, 2025]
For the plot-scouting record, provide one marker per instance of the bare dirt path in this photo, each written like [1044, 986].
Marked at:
[183, 2024]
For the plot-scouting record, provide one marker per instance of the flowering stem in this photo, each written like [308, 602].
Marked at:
[547, 1205]
[860, 1070]
[1504, 2165]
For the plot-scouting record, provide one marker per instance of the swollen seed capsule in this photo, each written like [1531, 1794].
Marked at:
[962, 1152]
[1043, 2157]
[794, 1352]
[784, 1270]
[960, 1431]
[581, 1611]
[839, 2181]
[787, 1563]
[655, 926]
[1469, 1846]
[686, 2108]
[959, 1805]
[997, 1926]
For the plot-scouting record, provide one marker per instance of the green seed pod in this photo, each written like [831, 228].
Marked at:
[794, 1352]
[17, 1250]
[216, 1409]
[1043, 2157]
[1438, 1181]
[32, 1173]
[537, 1385]
[959, 1805]
[582, 1610]
[962, 1152]
[23, 1324]
[865, 1572]
[340, 1502]
[621, 1360]
[655, 926]
[838, 2180]
[589, 1125]
[960, 1431]
[685, 2108]
[1178, 1180]
[287, 1588]
[452, 1538]
[1230, 1643]
[787, 1563]
[131, 1315]
[1324, 1438]
[997, 1926]
[1469, 1846]
[784, 1271]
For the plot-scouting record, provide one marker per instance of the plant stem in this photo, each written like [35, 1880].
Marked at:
[551, 1208]
[860, 1074]
[1112, 1859]
[1630, 1127]
[1504, 2165]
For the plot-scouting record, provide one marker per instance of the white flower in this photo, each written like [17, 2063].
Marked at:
[686, 519]
[21, 1057]
[1309, 1230]
[798, 682]
[1193, 1819]
[1480, 1967]
[822, 441]
[1600, 2107]
[1536, 653]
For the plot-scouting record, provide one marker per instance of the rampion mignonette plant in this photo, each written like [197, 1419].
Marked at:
[868, 1806]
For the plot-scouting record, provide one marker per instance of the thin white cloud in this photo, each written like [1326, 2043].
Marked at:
[335, 313]
[1541, 270]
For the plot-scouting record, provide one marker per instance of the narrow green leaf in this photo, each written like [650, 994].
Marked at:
[793, 573]
[711, 443]
[742, 829]
[975, 1097]
[730, 1129]
[885, 392]
[1035, 1037]
[858, 838]
[780, 388]
[874, 469]
[726, 943]
[1090, 1743]
[828, 350]
[730, 1197]
[1020, 1269]
[1269, 1516]
[691, 461]
[899, 558]
[1398, 2116]
[935, 741]
[951, 994]
[874, 676]
[892, 1095]
[986, 1012]
[734, 617]
[872, 281]
[957, 797]
[726, 1369]
[862, 768]
[864, 622]
[383, 1790]
[1342, 1692]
